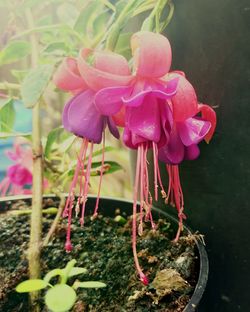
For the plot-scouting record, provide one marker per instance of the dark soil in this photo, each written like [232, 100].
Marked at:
[103, 247]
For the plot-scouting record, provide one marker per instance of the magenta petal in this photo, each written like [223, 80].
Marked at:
[193, 130]
[192, 152]
[173, 152]
[112, 127]
[108, 101]
[81, 117]
[158, 91]
[145, 119]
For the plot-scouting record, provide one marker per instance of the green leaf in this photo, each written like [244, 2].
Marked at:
[77, 271]
[66, 144]
[51, 139]
[59, 46]
[85, 15]
[60, 298]
[123, 45]
[90, 284]
[31, 285]
[53, 273]
[7, 115]
[14, 51]
[35, 83]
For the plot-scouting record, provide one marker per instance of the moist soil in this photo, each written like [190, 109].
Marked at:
[103, 247]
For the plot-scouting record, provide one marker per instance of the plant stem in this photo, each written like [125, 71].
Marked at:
[7, 86]
[37, 189]
[55, 222]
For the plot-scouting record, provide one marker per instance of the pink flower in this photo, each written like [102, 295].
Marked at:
[18, 175]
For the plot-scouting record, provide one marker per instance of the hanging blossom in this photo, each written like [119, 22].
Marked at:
[18, 175]
[148, 120]
[160, 109]
[81, 117]
[192, 122]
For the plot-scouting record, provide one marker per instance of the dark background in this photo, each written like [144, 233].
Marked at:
[211, 43]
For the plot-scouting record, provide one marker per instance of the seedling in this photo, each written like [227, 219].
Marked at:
[59, 297]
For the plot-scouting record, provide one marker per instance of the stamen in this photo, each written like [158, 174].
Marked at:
[176, 195]
[4, 186]
[155, 171]
[142, 276]
[101, 175]
[86, 183]
[71, 197]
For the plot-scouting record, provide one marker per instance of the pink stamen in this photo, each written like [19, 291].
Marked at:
[86, 183]
[176, 195]
[101, 176]
[70, 200]
[155, 171]
[142, 276]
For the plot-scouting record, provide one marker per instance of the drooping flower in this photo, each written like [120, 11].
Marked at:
[187, 132]
[148, 117]
[81, 117]
[19, 175]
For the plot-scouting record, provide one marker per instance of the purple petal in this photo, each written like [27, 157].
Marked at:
[173, 152]
[192, 152]
[145, 119]
[112, 128]
[81, 117]
[193, 130]
[108, 101]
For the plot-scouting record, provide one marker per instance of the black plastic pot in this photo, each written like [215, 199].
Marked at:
[107, 207]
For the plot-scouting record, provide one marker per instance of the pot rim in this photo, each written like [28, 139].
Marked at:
[204, 263]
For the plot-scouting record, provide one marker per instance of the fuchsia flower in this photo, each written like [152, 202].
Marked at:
[81, 117]
[158, 110]
[18, 175]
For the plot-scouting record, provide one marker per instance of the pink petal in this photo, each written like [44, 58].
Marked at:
[145, 119]
[192, 152]
[67, 76]
[209, 114]
[112, 128]
[184, 102]
[157, 90]
[108, 101]
[173, 152]
[152, 54]
[110, 70]
[119, 118]
[193, 130]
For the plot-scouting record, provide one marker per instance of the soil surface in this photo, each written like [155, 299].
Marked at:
[103, 247]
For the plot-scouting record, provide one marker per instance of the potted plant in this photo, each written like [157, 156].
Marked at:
[156, 108]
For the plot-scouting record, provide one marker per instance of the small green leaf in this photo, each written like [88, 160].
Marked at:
[57, 47]
[90, 284]
[31, 285]
[51, 139]
[35, 83]
[60, 298]
[53, 273]
[66, 144]
[14, 51]
[77, 271]
[7, 115]
[86, 15]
